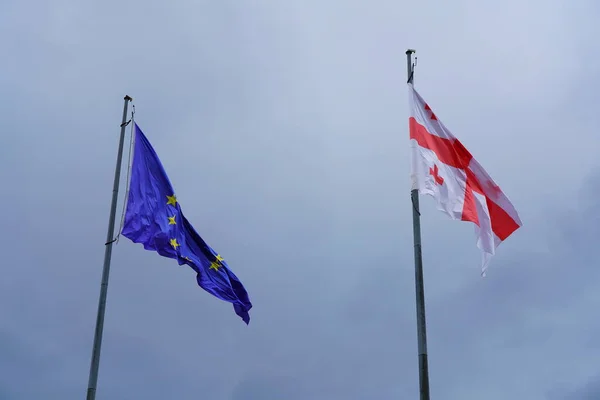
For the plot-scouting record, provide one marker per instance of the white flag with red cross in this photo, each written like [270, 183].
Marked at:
[443, 168]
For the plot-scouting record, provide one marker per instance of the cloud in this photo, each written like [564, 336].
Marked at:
[270, 387]
[283, 129]
[589, 391]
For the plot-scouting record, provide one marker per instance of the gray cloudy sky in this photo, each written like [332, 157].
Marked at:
[283, 127]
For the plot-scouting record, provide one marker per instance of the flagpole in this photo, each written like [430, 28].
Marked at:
[419, 286]
[93, 379]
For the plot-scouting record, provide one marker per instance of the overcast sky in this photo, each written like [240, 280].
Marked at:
[283, 128]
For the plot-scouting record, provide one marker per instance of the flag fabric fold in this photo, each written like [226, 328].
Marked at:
[154, 218]
[443, 168]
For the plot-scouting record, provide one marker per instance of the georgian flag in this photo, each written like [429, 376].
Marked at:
[444, 169]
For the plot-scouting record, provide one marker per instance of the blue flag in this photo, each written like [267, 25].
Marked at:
[154, 219]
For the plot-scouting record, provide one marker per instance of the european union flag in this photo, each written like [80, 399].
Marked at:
[154, 219]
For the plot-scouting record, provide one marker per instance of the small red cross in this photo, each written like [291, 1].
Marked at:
[434, 171]
[427, 108]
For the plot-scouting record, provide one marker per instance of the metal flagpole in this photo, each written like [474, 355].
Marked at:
[419, 287]
[93, 380]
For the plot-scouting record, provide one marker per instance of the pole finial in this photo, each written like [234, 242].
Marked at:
[410, 66]
[128, 98]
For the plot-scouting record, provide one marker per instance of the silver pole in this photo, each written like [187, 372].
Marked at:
[419, 287]
[93, 380]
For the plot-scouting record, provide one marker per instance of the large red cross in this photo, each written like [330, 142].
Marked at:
[452, 152]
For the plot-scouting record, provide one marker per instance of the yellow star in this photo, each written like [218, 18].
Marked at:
[217, 263]
[171, 200]
[171, 220]
[174, 243]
